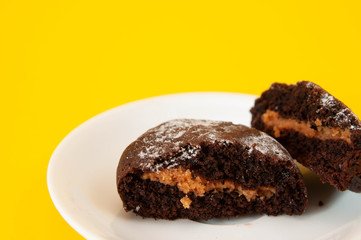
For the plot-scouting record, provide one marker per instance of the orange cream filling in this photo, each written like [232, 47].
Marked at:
[186, 201]
[278, 123]
[183, 179]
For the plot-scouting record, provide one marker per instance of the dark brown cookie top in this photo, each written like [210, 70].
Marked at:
[306, 101]
[182, 138]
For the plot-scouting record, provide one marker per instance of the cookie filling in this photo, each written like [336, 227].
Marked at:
[186, 201]
[278, 123]
[198, 185]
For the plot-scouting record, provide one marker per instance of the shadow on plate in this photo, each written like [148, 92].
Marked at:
[320, 195]
[246, 220]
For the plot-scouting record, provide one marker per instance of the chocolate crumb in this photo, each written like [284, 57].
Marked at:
[320, 203]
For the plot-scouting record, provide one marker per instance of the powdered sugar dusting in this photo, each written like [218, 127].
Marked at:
[310, 85]
[149, 152]
[185, 154]
[189, 153]
[327, 100]
[171, 132]
[343, 117]
[265, 144]
[179, 140]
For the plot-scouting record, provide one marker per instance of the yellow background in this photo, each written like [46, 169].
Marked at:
[62, 62]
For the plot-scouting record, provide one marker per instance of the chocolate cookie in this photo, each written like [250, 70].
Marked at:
[317, 129]
[201, 169]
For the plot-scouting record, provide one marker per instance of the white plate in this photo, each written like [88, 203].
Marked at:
[81, 179]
